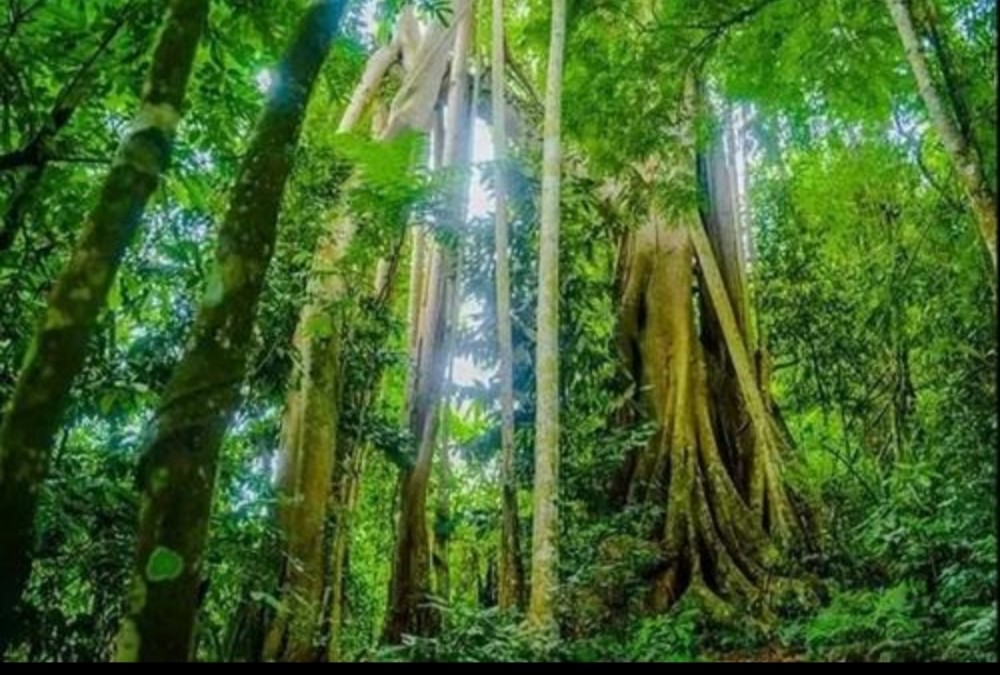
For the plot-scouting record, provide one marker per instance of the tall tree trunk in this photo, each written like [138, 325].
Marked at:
[460, 207]
[345, 505]
[959, 145]
[178, 468]
[544, 554]
[713, 535]
[60, 344]
[710, 540]
[309, 456]
[359, 393]
[312, 458]
[408, 611]
[442, 506]
[511, 573]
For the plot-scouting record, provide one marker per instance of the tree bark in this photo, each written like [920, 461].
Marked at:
[442, 507]
[312, 457]
[719, 215]
[544, 554]
[345, 504]
[57, 353]
[715, 538]
[709, 538]
[178, 468]
[959, 146]
[511, 574]
[408, 611]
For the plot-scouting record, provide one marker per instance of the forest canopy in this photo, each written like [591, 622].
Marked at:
[473, 330]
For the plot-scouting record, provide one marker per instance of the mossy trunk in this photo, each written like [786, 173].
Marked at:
[309, 456]
[177, 473]
[59, 347]
[713, 464]
[709, 537]
[344, 505]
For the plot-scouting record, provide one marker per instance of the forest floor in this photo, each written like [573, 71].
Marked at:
[769, 654]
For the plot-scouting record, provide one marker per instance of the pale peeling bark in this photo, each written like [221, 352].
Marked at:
[959, 145]
[375, 70]
[408, 611]
[544, 554]
[410, 38]
[179, 464]
[511, 575]
[59, 347]
[413, 105]
[310, 443]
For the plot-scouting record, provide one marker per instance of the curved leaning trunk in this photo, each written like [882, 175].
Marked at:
[177, 472]
[60, 344]
[960, 147]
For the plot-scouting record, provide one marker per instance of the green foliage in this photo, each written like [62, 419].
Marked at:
[870, 287]
[476, 636]
[868, 625]
[668, 638]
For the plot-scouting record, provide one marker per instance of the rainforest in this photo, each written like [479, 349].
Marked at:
[498, 330]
